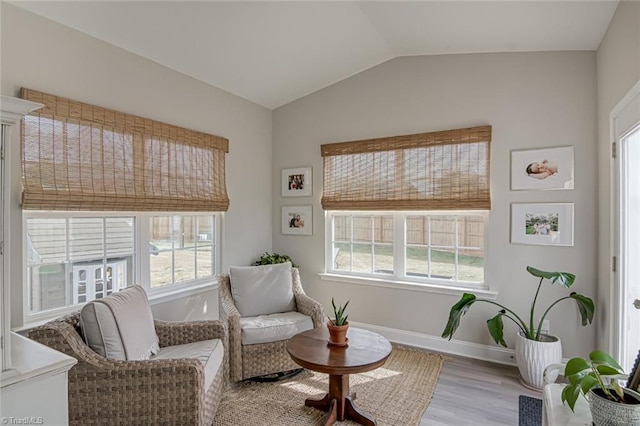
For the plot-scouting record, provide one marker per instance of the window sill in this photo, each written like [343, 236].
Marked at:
[410, 286]
[156, 296]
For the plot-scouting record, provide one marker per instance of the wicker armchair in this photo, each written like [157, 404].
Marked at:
[248, 361]
[104, 391]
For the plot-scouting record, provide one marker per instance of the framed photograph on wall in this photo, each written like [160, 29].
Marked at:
[549, 224]
[297, 220]
[544, 168]
[296, 182]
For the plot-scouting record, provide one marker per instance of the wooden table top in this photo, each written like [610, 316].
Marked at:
[366, 351]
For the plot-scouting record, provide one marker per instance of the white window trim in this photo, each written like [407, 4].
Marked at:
[156, 295]
[429, 285]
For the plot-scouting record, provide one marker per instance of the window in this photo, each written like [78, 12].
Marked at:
[409, 208]
[110, 200]
[409, 246]
[72, 258]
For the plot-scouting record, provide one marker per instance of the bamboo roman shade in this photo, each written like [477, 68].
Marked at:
[77, 156]
[447, 170]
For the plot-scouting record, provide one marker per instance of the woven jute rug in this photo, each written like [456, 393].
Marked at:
[396, 394]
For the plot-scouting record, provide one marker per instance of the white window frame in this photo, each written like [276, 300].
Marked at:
[141, 260]
[399, 279]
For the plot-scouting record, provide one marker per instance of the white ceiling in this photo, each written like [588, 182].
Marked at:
[272, 53]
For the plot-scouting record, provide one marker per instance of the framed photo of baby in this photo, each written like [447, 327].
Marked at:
[544, 168]
[296, 182]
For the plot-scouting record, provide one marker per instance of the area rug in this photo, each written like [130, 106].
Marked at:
[395, 394]
[529, 411]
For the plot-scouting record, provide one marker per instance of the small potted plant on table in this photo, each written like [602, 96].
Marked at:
[338, 325]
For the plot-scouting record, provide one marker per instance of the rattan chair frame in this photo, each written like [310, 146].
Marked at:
[248, 361]
[103, 391]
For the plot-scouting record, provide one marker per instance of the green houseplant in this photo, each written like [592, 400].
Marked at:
[272, 258]
[529, 330]
[610, 404]
[338, 325]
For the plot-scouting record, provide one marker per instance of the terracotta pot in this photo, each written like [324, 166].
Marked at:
[534, 356]
[338, 333]
[609, 413]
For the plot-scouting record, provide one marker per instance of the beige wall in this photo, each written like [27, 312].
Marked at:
[49, 57]
[531, 100]
[618, 69]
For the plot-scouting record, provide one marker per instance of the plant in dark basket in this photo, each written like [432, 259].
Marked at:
[273, 258]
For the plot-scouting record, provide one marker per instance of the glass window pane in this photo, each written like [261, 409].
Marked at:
[184, 265]
[161, 268]
[187, 235]
[160, 236]
[417, 229]
[342, 256]
[362, 258]
[383, 259]
[47, 287]
[206, 230]
[471, 231]
[86, 238]
[205, 262]
[443, 231]
[383, 229]
[120, 236]
[443, 264]
[362, 229]
[417, 261]
[46, 240]
[342, 228]
[471, 266]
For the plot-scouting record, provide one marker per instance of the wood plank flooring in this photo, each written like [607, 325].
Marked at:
[475, 393]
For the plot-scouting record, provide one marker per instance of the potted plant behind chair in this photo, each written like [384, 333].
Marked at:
[272, 259]
[339, 325]
[610, 404]
[534, 349]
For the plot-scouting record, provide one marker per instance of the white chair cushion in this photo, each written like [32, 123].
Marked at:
[120, 326]
[274, 327]
[262, 290]
[210, 353]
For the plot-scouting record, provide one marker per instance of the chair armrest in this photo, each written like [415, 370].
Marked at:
[304, 303]
[179, 333]
[230, 315]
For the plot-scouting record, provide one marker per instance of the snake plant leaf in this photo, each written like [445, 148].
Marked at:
[602, 358]
[585, 306]
[565, 279]
[575, 366]
[496, 327]
[456, 313]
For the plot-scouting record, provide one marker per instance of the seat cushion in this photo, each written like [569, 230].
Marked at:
[274, 327]
[262, 290]
[210, 353]
[120, 326]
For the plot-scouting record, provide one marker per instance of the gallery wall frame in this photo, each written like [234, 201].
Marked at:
[549, 224]
[297, 220]
[297, 182]
[542, 168]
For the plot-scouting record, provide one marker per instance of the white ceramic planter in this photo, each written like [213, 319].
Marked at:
[534, 356]
[609, 413]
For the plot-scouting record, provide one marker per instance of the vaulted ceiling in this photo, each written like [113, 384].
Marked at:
[273, 53]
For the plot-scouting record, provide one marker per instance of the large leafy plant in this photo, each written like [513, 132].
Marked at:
[584, 375]
[530, 329]
[272, 258]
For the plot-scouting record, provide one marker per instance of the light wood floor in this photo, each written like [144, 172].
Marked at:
[475, 393]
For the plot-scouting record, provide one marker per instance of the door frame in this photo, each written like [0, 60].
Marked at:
[616, 273]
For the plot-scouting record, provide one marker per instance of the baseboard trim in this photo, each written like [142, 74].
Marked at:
[436, 343]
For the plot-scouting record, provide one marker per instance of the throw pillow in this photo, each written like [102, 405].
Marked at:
[262, 290]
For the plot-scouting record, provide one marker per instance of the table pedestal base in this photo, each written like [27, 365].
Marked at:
[339, 404]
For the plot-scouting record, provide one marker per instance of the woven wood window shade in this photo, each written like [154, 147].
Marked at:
[77, 156]
[447, 170]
